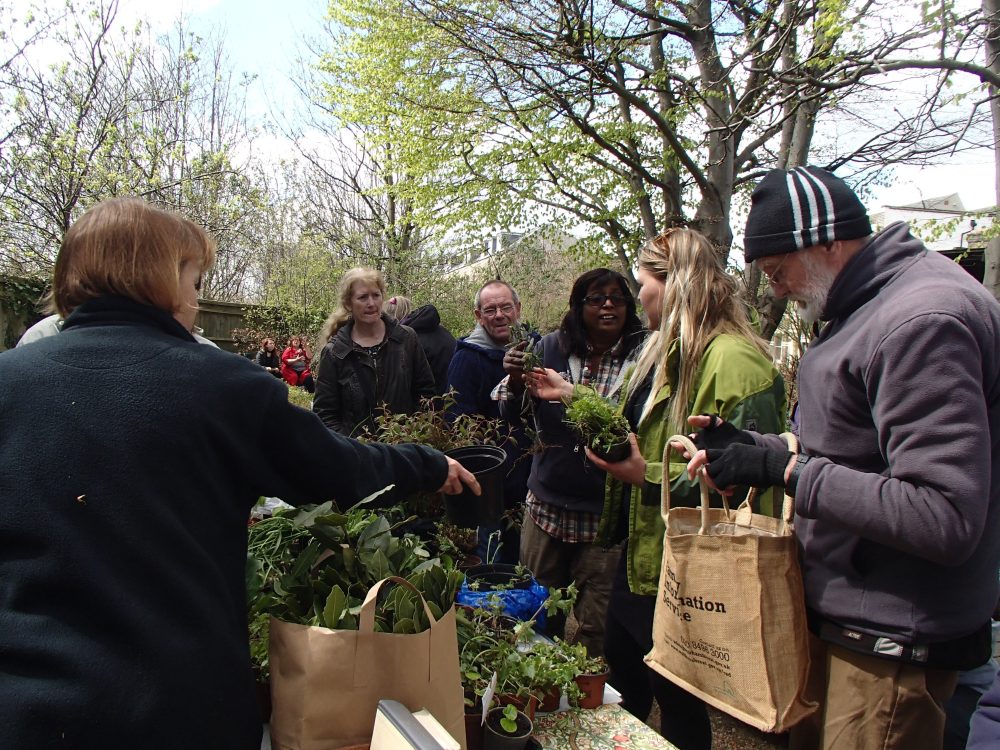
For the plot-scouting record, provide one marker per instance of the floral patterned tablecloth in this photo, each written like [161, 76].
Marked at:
[609, 727]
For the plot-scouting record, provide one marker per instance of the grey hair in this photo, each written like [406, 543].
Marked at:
[495, 282]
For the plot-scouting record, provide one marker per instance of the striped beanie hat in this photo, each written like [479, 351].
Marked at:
[799, 208]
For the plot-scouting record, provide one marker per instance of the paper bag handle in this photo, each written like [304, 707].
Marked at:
[365, 649]
[366, 620]
[702, 484]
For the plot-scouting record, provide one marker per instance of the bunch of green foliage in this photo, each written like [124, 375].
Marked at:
[599, 421]
[314, 566]
[431, 425]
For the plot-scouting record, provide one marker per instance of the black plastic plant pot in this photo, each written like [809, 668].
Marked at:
[487, 463]
[616, 453]
[496, 738]
[498, 574]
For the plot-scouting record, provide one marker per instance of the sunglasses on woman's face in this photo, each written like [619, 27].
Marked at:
[598, 300]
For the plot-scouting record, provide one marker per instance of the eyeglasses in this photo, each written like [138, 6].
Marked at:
[773, 275]
[598, 300]
[492, 312]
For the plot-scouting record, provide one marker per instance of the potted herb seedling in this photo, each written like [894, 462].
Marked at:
[431, 425]
[507, 728]
[591, 673]
[600, 424]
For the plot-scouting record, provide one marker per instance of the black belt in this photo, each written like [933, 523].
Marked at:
[967, 652]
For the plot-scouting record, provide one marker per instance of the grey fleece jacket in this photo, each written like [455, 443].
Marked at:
[899, 401]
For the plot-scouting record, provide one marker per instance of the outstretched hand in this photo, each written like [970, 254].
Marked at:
[458, 478]
[547, 384]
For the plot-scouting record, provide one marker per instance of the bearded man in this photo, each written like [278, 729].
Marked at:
[897, 483]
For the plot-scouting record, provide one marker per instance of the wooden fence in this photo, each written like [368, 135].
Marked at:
[218, 319]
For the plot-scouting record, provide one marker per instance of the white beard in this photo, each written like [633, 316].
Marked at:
[809, 302]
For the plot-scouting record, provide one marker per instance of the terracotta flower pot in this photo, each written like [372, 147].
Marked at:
[592, 686]
[551, 700]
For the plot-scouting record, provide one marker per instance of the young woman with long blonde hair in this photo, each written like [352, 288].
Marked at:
[702, 356]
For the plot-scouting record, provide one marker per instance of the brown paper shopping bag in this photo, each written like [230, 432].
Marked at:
[326, 684]
[730, 622]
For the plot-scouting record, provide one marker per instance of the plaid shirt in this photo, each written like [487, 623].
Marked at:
[577, 527]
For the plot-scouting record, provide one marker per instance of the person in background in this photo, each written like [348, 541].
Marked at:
[397, 307]
[123, 516]
[295, 364]
[897, 484]
[268, 357]
[368, 361]
[703, 356]
[475, 370]
[52, 324]
[437, 342]
[598, 340]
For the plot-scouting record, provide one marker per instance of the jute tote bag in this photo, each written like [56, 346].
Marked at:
[730, 622]
[326, 684]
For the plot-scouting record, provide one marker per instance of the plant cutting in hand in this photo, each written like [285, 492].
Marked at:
[525, 333]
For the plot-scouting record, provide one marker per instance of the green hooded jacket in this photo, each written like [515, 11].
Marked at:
[736, 382]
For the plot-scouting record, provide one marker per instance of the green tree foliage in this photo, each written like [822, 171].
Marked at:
[634, 117]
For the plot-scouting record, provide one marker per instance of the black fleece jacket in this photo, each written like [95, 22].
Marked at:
[436, 340]
[130, 457]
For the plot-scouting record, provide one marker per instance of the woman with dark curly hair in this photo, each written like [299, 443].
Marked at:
[598, 339]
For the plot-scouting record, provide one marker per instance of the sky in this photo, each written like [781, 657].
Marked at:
[264, 38]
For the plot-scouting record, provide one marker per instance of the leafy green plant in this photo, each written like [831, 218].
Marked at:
[492, 643]
[314, 566]
[598, 421]
[432, 425]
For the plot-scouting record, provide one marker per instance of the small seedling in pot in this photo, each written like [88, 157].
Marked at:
[509, 719]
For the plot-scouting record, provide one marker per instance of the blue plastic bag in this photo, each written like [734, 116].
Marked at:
[520, 604]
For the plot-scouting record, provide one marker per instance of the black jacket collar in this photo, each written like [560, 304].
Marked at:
[116, 310]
